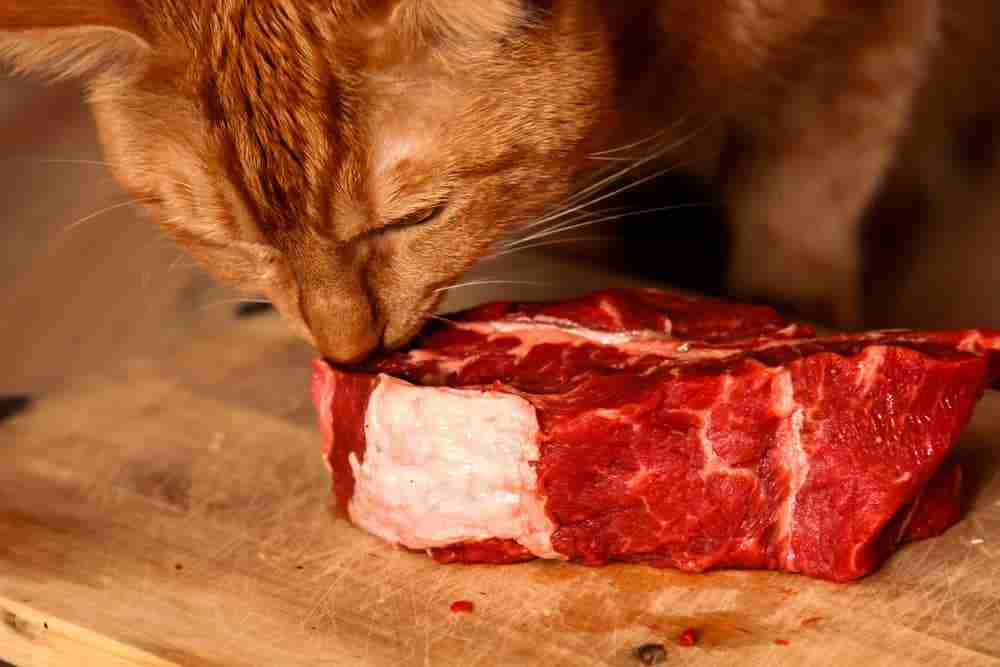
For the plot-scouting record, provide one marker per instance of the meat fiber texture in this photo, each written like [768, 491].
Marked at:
[646, 426]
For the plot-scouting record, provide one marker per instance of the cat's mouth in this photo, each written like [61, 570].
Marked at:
[399, 332]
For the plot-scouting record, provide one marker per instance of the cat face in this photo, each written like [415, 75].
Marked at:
[347, 160]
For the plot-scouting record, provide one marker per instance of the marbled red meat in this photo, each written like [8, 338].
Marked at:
[646, 426]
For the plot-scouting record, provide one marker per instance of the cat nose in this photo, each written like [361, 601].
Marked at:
[346, 331]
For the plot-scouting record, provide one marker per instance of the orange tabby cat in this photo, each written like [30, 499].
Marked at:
[348, 158]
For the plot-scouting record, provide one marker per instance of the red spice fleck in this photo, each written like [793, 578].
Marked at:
[812, 620]
[782, 642]
[688, 638]
[462, 607]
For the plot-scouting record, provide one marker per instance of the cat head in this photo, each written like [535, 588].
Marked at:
[346, 158]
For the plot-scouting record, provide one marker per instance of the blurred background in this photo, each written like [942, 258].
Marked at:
[87, 282]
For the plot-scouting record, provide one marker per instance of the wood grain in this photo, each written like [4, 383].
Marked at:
[177, 512]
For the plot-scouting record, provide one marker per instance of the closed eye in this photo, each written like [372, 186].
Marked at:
[419, 217]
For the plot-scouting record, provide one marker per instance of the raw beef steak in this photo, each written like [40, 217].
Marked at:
[645, 426]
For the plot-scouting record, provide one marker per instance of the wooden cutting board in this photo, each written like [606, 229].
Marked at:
[177, 512]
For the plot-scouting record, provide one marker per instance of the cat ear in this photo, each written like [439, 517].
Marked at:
[71, 38]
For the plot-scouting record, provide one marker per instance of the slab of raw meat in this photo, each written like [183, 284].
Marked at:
[645, 426]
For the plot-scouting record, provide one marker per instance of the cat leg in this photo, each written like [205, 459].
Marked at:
[800, 175]
[795, 227]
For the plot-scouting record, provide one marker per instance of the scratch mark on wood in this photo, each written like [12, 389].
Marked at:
[18, 625]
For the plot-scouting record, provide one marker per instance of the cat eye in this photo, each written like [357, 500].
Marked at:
[420, 217]
[414, 219]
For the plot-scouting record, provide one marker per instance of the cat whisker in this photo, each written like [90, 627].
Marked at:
[574, 198]
[95, 163]
[109, 165]
[652, 137]
[476, 283]
[610, 158]
[583, 215]
[180, 261]
[635, 144]
[588, 215]
[542, 244]
[103, 211]
[601, 178]
[656, 154]
[571, 203]
[634, 184]
[611, 218]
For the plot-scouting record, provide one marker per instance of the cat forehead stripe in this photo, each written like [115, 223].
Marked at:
[276, 98]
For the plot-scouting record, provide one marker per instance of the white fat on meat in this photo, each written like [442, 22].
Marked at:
[795, 461]
[446, 466]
